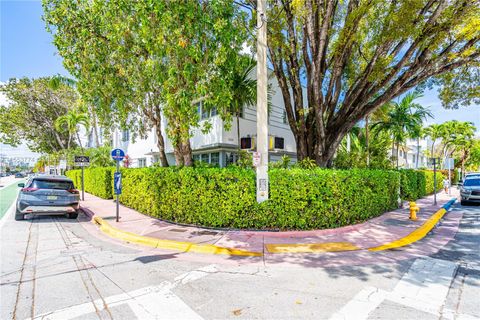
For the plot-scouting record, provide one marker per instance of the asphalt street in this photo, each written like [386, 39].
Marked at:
[55, 268]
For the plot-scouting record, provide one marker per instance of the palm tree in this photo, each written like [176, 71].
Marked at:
[244, 90]
[434, 131]
[71, 122]
[404, 119]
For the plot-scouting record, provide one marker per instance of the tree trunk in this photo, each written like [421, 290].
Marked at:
[367, 142]
[398, 153]
[418, 153]
[79, 141]
[187, 153]
[95, 131]
[161, 145]
[238, 133]
[177, 151]
[392, 155]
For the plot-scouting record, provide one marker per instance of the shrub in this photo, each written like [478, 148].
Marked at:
[299, 199]
[417, 183]
[98, 181]
[410, 189]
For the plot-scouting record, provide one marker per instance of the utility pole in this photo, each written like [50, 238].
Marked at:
[262, 109]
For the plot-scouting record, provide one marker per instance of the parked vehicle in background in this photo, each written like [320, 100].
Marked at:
[470, 190]
[19, 175]
[47, 195]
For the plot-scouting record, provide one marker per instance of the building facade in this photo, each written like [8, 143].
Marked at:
[220, 145]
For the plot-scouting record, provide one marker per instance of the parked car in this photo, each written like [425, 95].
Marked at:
[470, 190]
[47, 195]
[19, 175]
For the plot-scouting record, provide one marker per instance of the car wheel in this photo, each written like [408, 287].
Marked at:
[72, 215]
[19, 216]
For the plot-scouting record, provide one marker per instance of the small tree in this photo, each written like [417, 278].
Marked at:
[71, 123]
[404, 119]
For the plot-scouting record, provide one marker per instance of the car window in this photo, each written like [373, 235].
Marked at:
[471, 182]
[52, 184]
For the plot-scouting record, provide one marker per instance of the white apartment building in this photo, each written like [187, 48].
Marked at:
[219, 146]
[407, 157]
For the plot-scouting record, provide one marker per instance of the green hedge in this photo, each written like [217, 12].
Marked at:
[98, 181]
[299, 199]
[418, 183]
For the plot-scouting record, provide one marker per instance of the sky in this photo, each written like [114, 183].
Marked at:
[26, 50]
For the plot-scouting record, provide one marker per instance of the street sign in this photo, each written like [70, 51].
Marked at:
[450, 164]
[117, 182]
[118, 154]
[256, 159]
[82, 161]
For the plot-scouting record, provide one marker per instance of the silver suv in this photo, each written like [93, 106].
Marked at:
[45, 195]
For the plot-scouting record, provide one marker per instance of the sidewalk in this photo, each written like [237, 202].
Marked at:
[388, 227]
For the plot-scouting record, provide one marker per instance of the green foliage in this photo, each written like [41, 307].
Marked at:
[306, 163]
[35, 104]
[415, 184]
[147, 59]
[375, 150]
[245, 159]
[429, 181]
[98, 181]
[284, 163]
[299, 199]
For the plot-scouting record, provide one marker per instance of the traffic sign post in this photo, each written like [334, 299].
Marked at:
[82, 161]
[451, 166]
[434, 162]
[117, 155]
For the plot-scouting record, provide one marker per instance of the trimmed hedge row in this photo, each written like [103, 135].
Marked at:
[299, 199]
[416, 184]
[98, 181]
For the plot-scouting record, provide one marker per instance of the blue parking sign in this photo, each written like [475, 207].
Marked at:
[117, 182]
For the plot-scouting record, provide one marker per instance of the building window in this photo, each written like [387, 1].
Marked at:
[215, 158]
[196, 157]
[142, 162]
[279, 143]
[213, 112]
[204, 157]
[125, 135]
[246, 143]
[230, 158]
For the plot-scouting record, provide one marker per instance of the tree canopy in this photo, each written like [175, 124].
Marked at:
[354, 56]
[144, 59]
[34, 106]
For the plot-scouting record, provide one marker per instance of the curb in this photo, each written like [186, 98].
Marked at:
[182, 246]
[420, 232]
[169, 244]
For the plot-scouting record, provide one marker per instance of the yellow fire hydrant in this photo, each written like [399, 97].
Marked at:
[413, 210]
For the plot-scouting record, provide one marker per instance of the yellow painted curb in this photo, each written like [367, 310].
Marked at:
[169, 244]
[416, 235]
[311, 247]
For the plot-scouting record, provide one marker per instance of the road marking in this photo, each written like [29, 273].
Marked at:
[361, 305]
[424, 287]
[154, 302]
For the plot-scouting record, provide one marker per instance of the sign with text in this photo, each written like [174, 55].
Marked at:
[82, 161]
[257, 159]
[118, 154]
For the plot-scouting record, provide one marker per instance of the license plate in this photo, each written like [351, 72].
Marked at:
[52, 197]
